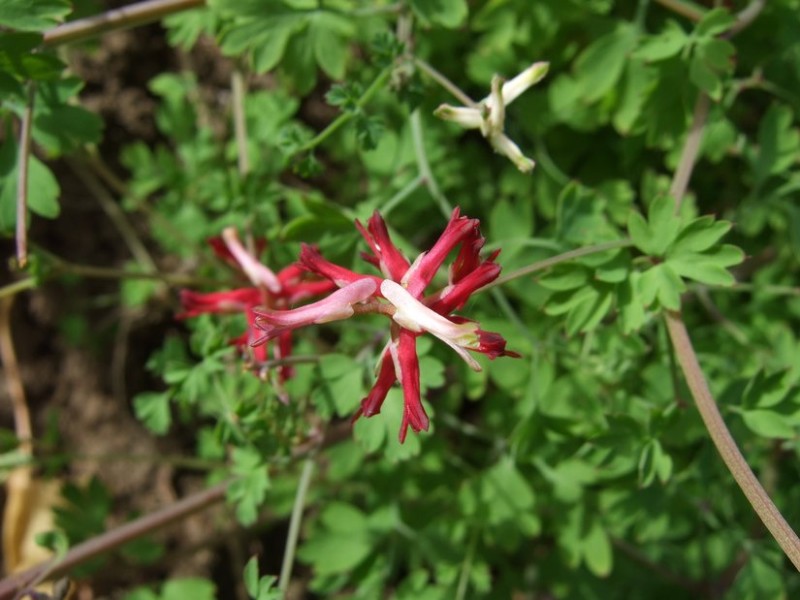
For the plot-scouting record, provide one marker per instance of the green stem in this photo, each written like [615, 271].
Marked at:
[401, 195]
[120, 18]
[23, 162]
[463, 579]
[554, 260]
[294, 524]
[345, 118]
[424, 166]
[18, 286]
[443, 81]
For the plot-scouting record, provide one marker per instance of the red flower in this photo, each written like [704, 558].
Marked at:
[399, 294]
[281, 290]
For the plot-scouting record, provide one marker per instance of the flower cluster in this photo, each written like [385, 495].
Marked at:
[490, 114]
[281, 290]
[399, 293]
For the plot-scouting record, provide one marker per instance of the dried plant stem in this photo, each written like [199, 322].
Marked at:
[691, 149]
[771, 517]
[16, 391]
[686, 9]
[294, 524]
[238, 92]
[115, 538]
[723, 440]
[120, 18]
[23, 162]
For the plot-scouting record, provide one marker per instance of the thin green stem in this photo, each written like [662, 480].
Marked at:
[401, 195]
[424, 166]
[546, 263]
[443, 81]
[294, 524]
[23, 162]
[18, 286]
[120, 18]
[466, 568]
[345, 118]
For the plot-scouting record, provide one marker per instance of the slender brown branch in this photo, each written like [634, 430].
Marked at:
[726, 445]
[120, 18]
[23, 162]
[691, 149]
[16, 391]
[723, 440]
[113, 539]
[685, 9]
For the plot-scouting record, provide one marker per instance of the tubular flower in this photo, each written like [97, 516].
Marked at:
[490, 114]
[280, 290]
[400, 295]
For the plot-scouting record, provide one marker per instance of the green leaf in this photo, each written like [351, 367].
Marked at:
[33, 15]
[778, 142]
[768, 423]
[666, 44]
[597, 552]
[715, 22]
[662, 283]
[598, 68]
[332, 553]
[329, 33]
[699, 235]
[664, 224]
[250, 484]
[63, 128]
[640, 232]
[43, 189]
[190, 587]
[447, 13]
[566, 277]
[152, 409]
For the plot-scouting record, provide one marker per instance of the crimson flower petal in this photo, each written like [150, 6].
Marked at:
[425, 267]
[231, 301]
[312, 260]
[371, 405]
[414, 414]
[387, 257]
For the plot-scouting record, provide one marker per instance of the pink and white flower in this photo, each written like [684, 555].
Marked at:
[400, 295]
[281, 290]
